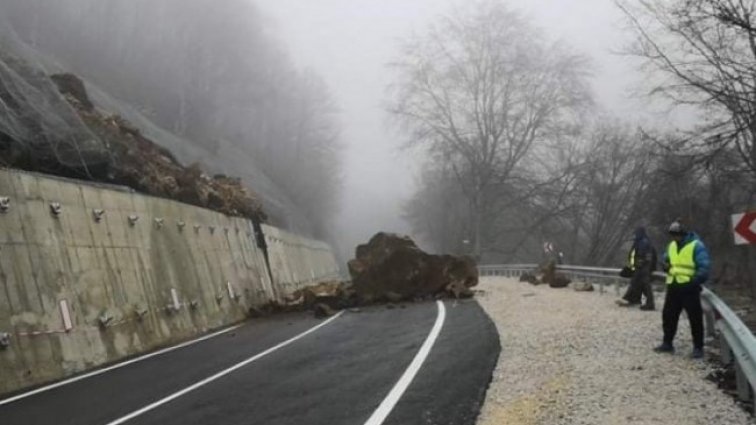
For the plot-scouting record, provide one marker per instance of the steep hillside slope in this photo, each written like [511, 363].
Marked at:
[91, 134]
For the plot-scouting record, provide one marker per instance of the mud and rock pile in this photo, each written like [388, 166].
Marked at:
[141, 164]
[335, 295]
[550, 276]
[324, 298]
[391, 267]
[39, 131]
[546, 274]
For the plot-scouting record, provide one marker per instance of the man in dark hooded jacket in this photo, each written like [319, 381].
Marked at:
[642, 262]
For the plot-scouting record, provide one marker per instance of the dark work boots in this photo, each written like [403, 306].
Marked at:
[665, 348]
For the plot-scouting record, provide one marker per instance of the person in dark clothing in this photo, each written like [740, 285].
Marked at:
[687, 263]
[642, 262]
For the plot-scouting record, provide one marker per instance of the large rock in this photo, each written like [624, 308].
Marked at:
[550, 276]
[393, 265]
[71, 85]
[559, 281]
[548, 272]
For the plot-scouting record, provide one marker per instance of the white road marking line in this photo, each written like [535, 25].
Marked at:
[116, 366]
[219, 375]
[382, 412]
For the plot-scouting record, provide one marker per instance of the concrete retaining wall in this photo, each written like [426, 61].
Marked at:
[296, 262]
[76, 292]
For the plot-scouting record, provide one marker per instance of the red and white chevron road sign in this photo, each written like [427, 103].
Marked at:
[744, 228]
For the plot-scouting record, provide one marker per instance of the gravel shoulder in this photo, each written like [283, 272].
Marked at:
[576, 358]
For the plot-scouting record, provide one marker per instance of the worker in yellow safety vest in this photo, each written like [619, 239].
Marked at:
[687, 263]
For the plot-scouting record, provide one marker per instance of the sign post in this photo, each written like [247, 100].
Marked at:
[744, 228]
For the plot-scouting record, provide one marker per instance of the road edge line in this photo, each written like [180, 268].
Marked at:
[220, 374]
[115, 366]
[387, 405]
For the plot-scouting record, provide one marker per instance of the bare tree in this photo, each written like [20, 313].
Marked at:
[435, 213]
[705, 51]
[614, 184]
[303, 154]
[586, 198]
[479, 89]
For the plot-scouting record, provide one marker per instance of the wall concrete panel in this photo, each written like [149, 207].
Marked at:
[118, 278]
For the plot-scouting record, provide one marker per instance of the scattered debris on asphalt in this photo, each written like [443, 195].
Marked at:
[389, 270]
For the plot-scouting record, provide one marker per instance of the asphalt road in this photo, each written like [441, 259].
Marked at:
[338, 373]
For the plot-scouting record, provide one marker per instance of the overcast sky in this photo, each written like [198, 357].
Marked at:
[349, 43]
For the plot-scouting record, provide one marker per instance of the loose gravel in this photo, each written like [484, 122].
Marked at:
[577, 358]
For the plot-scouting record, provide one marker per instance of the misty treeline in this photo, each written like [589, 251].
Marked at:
[519, 154]
[207, 71]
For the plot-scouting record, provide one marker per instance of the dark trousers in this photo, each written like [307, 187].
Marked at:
[640, 285]
[679, 298]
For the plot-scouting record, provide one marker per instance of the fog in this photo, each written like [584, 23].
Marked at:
[291, 96]
[350, 44]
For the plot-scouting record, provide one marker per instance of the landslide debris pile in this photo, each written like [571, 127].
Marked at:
[392, 266]
[39, 131]
[547, 274]
[141, 164]
[49, 124]
[389, 269]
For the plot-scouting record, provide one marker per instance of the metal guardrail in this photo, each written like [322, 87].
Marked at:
[736, 342]
[602, 276]
[506, 270]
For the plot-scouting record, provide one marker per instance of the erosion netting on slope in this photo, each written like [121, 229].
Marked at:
[49, 124]
[39, 130]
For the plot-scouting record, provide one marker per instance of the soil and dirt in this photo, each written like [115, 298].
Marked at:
[51, 126]
[390, 263]
[389, 269]
[39, 131]
[141, 164]
[547, 274]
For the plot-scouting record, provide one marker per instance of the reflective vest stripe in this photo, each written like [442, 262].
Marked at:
[632, 259]
[682, 263]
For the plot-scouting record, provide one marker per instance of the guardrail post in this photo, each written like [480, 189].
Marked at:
[724, 350]
[710, 322]
[744, 388]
